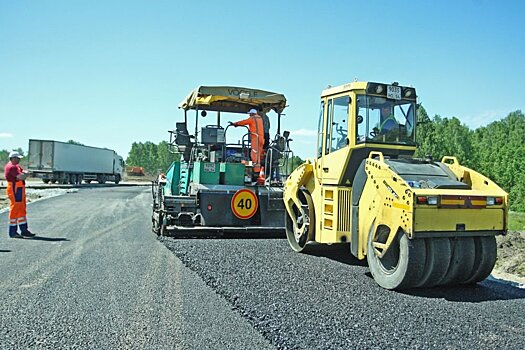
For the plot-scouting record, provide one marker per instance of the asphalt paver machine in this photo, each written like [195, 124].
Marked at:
[418, 222]
[213, 188]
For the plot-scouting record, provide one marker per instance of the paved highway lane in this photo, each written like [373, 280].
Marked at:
[96, 278]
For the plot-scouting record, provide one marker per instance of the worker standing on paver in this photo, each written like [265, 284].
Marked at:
[256, 126]
[16, 192]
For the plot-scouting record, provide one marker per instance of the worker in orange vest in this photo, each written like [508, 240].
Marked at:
[16, 192]
[256, 126]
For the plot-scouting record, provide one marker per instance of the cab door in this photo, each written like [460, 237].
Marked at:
[334, 153]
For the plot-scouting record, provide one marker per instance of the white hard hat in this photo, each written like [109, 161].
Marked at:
[252, 111]
[15, 154]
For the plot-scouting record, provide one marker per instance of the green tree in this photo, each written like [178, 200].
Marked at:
[4, 157]
[164, 156]
[293, 163]
[499, 147]
[445, 137]
[75, 142]
[150, 156]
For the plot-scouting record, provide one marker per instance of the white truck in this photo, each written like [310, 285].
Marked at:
[60, 162]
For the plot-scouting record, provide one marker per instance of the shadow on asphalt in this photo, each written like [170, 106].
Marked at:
[48, 239]
[487, 290]
[5, 251]
[338, 252]
[475, 293]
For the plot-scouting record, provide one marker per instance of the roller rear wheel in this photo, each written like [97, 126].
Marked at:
[461, 262]
[438, 254]
[403, 264]
[430, 262]
[485, 258]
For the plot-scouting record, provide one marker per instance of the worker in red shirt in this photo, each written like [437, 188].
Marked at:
[256, 126]
[16, 192]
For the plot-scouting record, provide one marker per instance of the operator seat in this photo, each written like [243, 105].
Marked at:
[183, 140]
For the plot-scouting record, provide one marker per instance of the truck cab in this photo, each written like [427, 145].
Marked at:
[118, 166]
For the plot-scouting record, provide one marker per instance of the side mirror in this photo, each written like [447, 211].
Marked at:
[286, 134]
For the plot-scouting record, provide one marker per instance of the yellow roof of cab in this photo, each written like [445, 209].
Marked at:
[233, 99]
[356, 85]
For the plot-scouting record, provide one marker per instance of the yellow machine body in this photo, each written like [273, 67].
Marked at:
[365, 188]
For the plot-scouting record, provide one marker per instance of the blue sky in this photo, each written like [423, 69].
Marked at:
[108, 73]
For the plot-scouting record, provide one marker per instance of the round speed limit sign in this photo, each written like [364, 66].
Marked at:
[244, 204]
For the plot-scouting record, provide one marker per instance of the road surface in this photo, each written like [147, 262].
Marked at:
[97, 277]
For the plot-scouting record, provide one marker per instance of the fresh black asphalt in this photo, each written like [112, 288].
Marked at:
[97, 278]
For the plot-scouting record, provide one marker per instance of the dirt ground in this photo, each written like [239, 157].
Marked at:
[511, 253]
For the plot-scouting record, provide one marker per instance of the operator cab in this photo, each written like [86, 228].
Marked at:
[361, 117]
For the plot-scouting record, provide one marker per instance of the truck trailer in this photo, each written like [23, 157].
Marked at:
[68, 163]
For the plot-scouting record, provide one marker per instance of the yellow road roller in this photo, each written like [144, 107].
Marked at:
[418, 222]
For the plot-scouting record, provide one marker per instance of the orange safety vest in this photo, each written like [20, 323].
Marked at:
[16, 192]
[256, 126]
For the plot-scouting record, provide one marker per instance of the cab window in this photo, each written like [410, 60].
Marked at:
[320, 131]
[385, 120]
[328, 130]
[338, 132]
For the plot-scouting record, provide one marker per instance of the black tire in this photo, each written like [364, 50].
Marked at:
[156, 224]
[163, 229]
[72, 179]
[485, 258]
[461, 262]
[402, 266]
[299, 235]
[438, 256]
[87, 181]
[46, 181]
[117, 179]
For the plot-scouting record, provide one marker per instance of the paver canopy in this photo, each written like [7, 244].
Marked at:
[233, 99]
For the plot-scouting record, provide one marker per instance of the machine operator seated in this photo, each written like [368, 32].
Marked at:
[388, 127]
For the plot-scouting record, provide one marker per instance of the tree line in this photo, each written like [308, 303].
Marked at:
[154, 158]
[495, 150]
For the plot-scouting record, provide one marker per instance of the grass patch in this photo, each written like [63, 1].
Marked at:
[516, 221]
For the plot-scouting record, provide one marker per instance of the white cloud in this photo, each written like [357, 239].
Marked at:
[5, 135]
[303, 132]
[484, 118]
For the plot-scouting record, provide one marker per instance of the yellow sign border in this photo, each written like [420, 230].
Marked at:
[255, 207]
